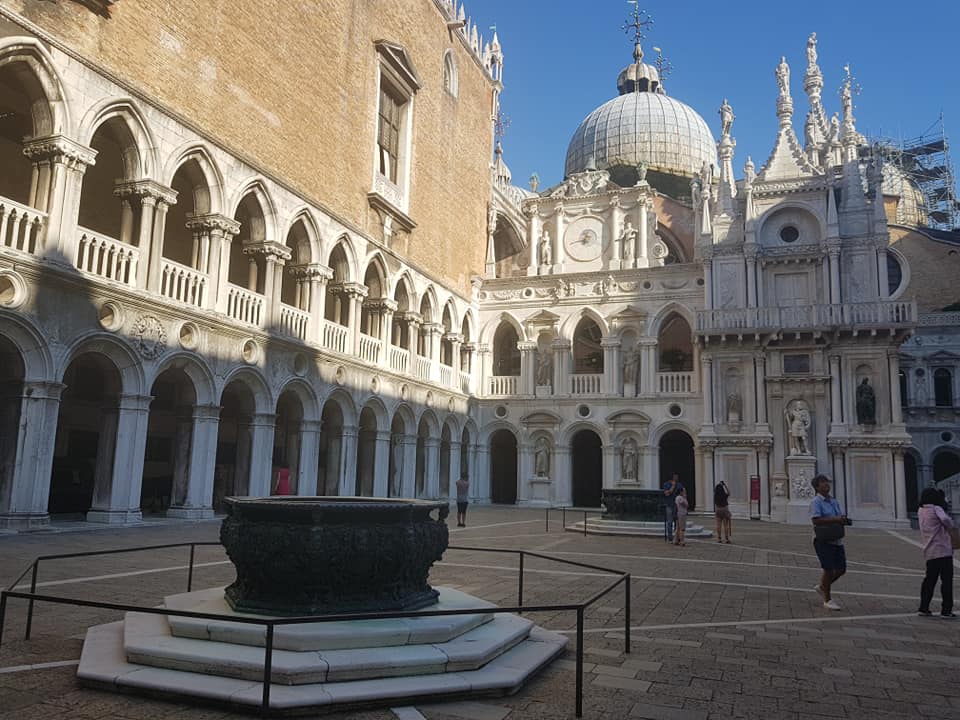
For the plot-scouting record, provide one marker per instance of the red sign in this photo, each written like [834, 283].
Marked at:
[754, 488]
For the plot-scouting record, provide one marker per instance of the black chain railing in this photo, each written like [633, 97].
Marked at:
[271, 623]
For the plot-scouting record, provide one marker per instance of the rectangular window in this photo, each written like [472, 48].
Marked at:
[388, 132]
[796, 364]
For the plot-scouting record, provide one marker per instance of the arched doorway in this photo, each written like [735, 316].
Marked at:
[331, 447]
[166, 459]
[587, 352]
[675, 343]
[503, 467]
[398, 431]
[676, 456]
[11, 397]
[86, 436]
[586, 454]
[234, 444]
[506, 354]
[366, 453]
[912, 485]
[946, 464]
[287, 438]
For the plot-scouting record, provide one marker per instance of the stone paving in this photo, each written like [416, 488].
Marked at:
[719, 631]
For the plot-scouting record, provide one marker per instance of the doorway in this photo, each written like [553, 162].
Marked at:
[586, 453]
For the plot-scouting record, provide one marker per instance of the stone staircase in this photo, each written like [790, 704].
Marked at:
[317, 666]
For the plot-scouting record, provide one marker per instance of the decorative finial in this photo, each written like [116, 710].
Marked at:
[501, 123]
[749, 171]
[638, 21]
[726, 119]
[534, 182]
[663, 65]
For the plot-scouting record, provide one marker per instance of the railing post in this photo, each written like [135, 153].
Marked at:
[584, 523]
[546, 528]
[563, 511]
[626, 613]
[520, 588]
[579, 701]
[33, 590]
[3, 608]
[190, 571]
[267, 671]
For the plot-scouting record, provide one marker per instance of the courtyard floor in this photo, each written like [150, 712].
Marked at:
[719, 631]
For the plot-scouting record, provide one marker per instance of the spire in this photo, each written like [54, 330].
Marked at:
[813, 86]
[728, 185]
[638, 76]
[849, 137]
[787, 160]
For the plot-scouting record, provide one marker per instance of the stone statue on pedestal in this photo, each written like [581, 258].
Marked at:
[545, 249]
[631, 366]
[628, 236]
[628, 460]
[541, 457]
[798, 425]
[866, 403]
[734, 407]
[544, 368]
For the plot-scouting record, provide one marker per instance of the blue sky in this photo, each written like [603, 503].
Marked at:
[562, 58]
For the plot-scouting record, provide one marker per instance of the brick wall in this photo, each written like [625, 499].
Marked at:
[292, 86]
[934, 267]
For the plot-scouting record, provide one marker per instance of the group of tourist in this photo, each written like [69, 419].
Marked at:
[937, 532]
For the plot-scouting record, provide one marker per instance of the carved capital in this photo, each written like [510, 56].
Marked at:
[59, 148]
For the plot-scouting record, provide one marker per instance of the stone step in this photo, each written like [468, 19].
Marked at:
[334, 635]
[147, 641]
[644, 528]
[104, 665]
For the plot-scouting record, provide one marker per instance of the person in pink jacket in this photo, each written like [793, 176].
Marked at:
[935, 526]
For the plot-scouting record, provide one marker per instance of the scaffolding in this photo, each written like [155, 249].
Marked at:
[924, 164]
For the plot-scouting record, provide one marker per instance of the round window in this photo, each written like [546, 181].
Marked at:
[946, 436]
[789, 234]
[675, 410]
[500, 411]
[583, 411]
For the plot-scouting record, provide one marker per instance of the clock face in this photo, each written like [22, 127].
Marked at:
[584, 246]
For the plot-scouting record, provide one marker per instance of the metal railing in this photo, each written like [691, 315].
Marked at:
[270, 623]
[563, 515]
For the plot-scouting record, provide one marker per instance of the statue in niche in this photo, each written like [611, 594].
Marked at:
[545, 249]
[810, 131]
[396, 489]
[544, 367]
[798, 424]
[726, 118]
[628, 236]
[866, 403]
[783, 77]
[628, 460]
[920, 388]
[631, 366]
[734, 407]
[541, 457]
[812, 49]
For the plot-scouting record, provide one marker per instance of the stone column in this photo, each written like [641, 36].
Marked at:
[409, 476]
[643, 240]
[431, 467]
[883, 279]
[455, 452]
[751, 281]
[839, 480]
[763, 460]
[558, 251]
[708, 415]
[24, 503]
[612, 371]
[481, 479]
[123, 441]
[309, 457]
[221, 237]
[435, 330]
[616, 259]
[317, 276]
[706, 485]
[533, 237]
[348, 461]
[561, 366]
[528, 367]
[648, 467]
[126, 221]
[198, 501]
[760, 364]
[708, 283]
[648, 366]
[833, 260]
[562, 476]
[381, 465]
[483, 374]
[893, 363]
[836, 400]
[899, 485]
[611, 466]
[388, 308]
[271, 290]
[262, 427]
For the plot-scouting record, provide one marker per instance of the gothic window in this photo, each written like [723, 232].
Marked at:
[451, 82]
[506, 354]
[388, 131]
[676, 345]
[397, 85]
[943, 387]
[894, 274]
[902, 377]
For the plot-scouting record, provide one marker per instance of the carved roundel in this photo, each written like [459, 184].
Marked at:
[340, 376]
[659, 250]
[375, 385]
[404, 392]
[451, 404]
[429, 401]
[149, 336]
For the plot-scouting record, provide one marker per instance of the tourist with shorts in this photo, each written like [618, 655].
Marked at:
[829, 523]
[935, 530]
[671, 489]
[463, 494]
[721, 509]
[682, 507]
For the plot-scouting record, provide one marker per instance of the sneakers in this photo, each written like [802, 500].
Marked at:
[924, 613]
[832, 605]
[947, 616]
[819, 590]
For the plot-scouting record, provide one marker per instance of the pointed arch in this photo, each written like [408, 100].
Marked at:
[468, 327]
[212, 200]
[309, 247]
[569, 325]
[345, 269]
[656, 321]
[490, 329]
[258, 188]
[429, 305]
[124, 115]
[35, 70]
[449, 307]
[375, 276]
[404, 294]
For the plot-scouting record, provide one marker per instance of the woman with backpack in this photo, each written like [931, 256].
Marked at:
[721, 508]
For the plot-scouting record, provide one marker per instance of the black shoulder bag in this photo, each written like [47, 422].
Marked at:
[829, 532]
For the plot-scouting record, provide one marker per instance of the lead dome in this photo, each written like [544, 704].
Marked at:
[642, 125]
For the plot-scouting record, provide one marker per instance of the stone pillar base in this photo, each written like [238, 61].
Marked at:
[539, 494]
[24, 521]
[115, 517]
[190, 513]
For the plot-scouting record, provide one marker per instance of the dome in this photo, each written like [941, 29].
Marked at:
[642, 127]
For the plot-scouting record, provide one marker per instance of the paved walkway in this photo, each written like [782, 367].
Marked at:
[719, 631]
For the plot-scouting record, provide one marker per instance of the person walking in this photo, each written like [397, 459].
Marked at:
[682, 507]
[935, 527]
[463, 494]
[828, 525]
[721, 509]
[671, 489]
